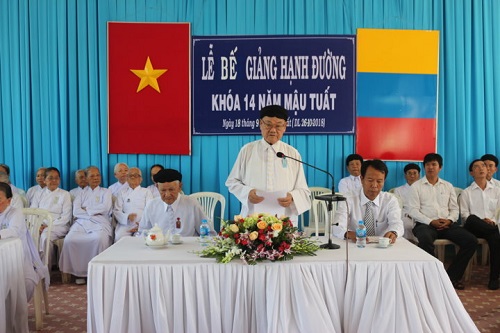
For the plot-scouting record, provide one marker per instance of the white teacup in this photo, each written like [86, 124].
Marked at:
[383, 242]
[176, 238]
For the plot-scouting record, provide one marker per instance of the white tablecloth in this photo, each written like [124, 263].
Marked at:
[133, 288]
[13, 303]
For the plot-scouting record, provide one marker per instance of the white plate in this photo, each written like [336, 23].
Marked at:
[156, 246]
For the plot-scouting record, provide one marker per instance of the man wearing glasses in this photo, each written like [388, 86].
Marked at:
[129, 204]
[259, 176]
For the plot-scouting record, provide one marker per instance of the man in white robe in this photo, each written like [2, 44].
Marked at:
[120, 172]
[153, 171]
[258, 171]
[129, 205]
[412, 174]
[40, 179]
[12, 225]
[58, 202]
[81, 181]
[91, 232]
[17, 200]
[173, 212]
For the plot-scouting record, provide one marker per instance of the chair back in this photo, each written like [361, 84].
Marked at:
[315, 190]
[319, 214]
[208, 201]
[34, 218]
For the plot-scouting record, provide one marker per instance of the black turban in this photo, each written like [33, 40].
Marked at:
[167, 176]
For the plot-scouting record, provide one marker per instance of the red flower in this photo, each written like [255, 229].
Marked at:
[262, 237]
[153, 237]
[244, 242]
[236, 236]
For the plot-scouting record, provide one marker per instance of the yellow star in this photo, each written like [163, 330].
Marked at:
[148, 76]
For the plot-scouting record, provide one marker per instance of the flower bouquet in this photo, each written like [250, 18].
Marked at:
[259, 237]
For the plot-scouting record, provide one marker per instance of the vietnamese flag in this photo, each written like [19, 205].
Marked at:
[149, 88]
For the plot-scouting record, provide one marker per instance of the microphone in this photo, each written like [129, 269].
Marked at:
[330, 198]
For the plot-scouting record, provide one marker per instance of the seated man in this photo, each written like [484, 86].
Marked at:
[478, 205]
[412, 174]
[40, 180]
[91, 232]
[153, 171]
[380, 210]
[434, 208]
[81, 181]
[172, 211]
[120, 172]
[491, 162]
[129, 204]
[351, 183]
[17, 199]
[15, 190]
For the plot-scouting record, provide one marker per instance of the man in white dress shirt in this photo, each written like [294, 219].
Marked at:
[434, 208]
[385, 207]
[40, 179]
[173, 212]
[412, 174]
[81, 181]
[153, 171]
[58, 202]
[258, 169]
[120, 172]
[351, 183]
[91, 232]
[491, 162]
[129, 205]
[478, 205]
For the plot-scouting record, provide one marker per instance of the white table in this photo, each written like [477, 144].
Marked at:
[13, 303]
[133, 288]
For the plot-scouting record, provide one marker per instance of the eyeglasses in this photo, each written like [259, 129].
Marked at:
[52, 178]
[269, 126]
[134, 175]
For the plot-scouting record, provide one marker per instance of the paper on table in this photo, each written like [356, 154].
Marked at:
[270, 203]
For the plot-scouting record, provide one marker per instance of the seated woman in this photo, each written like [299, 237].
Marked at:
[12, 225]
[58, 202]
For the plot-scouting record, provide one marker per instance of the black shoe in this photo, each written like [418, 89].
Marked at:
[458, 285]
[493, 284]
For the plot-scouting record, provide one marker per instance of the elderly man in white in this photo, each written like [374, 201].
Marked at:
[81, 181]
[129, 204]
[58, 202]
[91, 232]
[383, 207]
[120, 172]
[258, 171]
[172, 211]
[40, 180]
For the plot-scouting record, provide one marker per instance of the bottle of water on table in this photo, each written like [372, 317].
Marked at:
[204, 232]
[361, 234]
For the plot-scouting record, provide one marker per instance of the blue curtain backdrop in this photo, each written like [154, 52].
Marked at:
[53, 81]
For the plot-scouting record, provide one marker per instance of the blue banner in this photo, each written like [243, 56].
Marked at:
[313, 77]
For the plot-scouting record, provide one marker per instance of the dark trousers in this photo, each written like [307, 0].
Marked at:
[466, 241]
[489, 232]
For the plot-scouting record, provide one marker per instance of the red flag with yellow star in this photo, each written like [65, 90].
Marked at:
[149, 88]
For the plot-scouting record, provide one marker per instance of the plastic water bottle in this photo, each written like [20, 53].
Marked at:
[361, 234]
[204, 232]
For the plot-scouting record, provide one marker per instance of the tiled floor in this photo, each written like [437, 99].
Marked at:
[68, 311]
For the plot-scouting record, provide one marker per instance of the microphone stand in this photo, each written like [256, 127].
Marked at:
[329, 198]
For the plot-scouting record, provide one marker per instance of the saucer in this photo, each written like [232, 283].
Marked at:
[177, 243]
[383, 247]
[156, 247]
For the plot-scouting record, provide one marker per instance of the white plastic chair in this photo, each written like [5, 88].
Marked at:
[315, 190]
[34, 218]
[208, 201]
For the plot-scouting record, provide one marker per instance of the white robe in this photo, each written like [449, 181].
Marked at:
[129, 201]
[154, 190]
[251, 171]
[58, 203]
[74, 192]
[32, 191]
[12, 225]
[90, 234]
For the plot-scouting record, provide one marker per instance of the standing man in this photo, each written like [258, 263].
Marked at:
[91, 233]
[172, 211]
[129, 204]
[491, 162]
[380, 210]
[412, 174]
[434, 208]
[478, 205]
[351, 183]
[258, 171]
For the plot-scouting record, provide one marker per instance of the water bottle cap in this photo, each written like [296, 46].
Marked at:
[204, 221]
[361, 222]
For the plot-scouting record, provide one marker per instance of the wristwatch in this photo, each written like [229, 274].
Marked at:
[395, 233]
